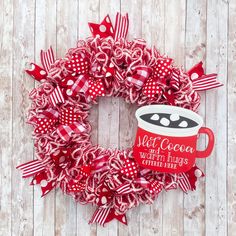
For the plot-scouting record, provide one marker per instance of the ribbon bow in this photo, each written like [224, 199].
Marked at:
[68, 123]
[60, 159]
[160, 72]
[104, 213]
[75, 84]
[79, 184]
[187, 180]
[47, 59]
[78, 65]
[106, 29]
[200, 80]
[79, 80]
[130, 170]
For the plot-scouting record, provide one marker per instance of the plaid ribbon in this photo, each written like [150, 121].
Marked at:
[65, 131]
[139, 76]
[67, 127]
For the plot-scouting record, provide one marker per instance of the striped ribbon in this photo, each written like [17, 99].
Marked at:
[174, 82]
[56, 96]
[206, 82]
[105, 215]
[184, 183]
[100, 216]
[124, 189]
[47, 58]
[31, 168]
[121, 26]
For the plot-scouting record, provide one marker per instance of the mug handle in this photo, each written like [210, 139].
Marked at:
[211, 140]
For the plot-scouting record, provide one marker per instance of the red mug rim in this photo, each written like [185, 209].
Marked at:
[167, 131]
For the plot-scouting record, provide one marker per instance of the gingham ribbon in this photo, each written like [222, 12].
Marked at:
[66, 131]
[139, 76]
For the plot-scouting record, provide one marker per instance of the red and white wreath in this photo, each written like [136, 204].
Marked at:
[106, 64]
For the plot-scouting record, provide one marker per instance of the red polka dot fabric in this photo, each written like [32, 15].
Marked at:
[44, 125]
[105, 29]
[78, 65]
[130, 169]
[76, 187]
[151, 89]
[162, 69]
[96, 88]
[155, 187]
[68, 116]
[105, 195]
[85, 171]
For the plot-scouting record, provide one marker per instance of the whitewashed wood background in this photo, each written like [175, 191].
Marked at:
[188, 31]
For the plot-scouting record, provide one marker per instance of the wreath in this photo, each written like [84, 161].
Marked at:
[106, 64]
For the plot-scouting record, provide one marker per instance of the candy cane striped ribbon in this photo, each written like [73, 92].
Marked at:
[124, 189]
[56, 96]
[100, 216]
[174, 82]
[121, 26]
[47, 58]
[31, 168]
[206, 82]
[183, 182]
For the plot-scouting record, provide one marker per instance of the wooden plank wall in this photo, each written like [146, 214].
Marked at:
[188, 31]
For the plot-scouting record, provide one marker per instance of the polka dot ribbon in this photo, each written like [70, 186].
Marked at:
[106, 29]
[160, 72]
[67, 119]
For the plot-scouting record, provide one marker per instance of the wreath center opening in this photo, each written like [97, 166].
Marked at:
[113, 123]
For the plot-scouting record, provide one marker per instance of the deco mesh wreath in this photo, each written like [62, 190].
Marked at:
[104, 65]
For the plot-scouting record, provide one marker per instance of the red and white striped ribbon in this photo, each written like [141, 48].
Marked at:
[121, 26]
[206, 82]
[124, 189]
[174, 81]
[47, 58]
[100, 216]
[184, 183]
[56, 96]
[31, 168]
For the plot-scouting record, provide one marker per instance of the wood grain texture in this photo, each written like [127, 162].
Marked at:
[195, 51]
[188, 31]
[45, 24]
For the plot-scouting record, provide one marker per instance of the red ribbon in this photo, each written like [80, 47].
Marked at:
[47, 59]
[201, 81]
[68, 123]
[106, 29]
[105, 215]
[139, 76]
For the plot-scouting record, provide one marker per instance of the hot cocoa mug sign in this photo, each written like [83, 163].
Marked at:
[167, 137]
